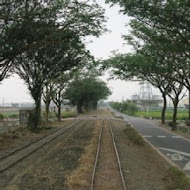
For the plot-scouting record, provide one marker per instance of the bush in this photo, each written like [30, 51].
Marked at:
[178, 178]
[125, 107]
[133, 135]
[132, 108]
[68, 114]
[1, 116]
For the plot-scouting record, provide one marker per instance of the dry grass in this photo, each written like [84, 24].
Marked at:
[81, 177]
[12, 187]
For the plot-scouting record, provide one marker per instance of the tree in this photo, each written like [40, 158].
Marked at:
[86, 92]
[128, 66]
[29, 24]
[60, 84]
[176, 95]
[47, 96]
[43, 64]
[66, 24]
[166, 26]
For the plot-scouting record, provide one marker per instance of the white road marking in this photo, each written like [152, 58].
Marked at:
[176, 137]
[161, 136]
[177, 156]
[175, 151]
[165, 130]
[187, 166]
[147, 136]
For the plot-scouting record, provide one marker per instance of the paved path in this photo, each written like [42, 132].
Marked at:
[175, 147]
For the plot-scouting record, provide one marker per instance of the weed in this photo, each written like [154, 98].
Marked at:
[133, 135]
[178, 178]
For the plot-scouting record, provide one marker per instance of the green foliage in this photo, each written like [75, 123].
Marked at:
[44, 39]
[160, 44]
[86, 92]
[133, 135]
[178, 178]
[27, 26]
[156, 114]
[125, 107]
[67, 114]
[1, 116]
[132, 109]
[116, 105]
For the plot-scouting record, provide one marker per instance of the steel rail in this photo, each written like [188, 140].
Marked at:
[43, 144]
[97, 155]
[28, 144]
[117, 154]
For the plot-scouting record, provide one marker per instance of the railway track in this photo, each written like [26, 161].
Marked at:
[98, 174]
[19, 154]
[28, 144]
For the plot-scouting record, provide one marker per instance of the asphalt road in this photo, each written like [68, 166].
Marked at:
[173, 146]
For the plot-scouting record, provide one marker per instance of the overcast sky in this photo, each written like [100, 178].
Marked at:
[14, 90]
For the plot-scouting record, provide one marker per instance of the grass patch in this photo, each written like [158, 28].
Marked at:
[178, 179]
[156, 114]
[10, 114]
[133, 135]
[67, 114]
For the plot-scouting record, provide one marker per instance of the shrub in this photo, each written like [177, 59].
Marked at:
[125, 107]
[132, 108]
[179, 179]
[133, 135]
[68, 114]
[1, 116]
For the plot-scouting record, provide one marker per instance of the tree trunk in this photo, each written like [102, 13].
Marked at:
[47, 111]
[189, 105]
[174, 127]
[59, 112]
[164, 109]
[37, 113]
[79, 108]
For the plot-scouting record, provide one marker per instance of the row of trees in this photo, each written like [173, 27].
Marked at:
[159, 33]
[43, 40]
[82, 89]
[127, 107]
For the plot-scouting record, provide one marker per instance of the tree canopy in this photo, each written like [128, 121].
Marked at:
[30, 24]
[86, 92]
